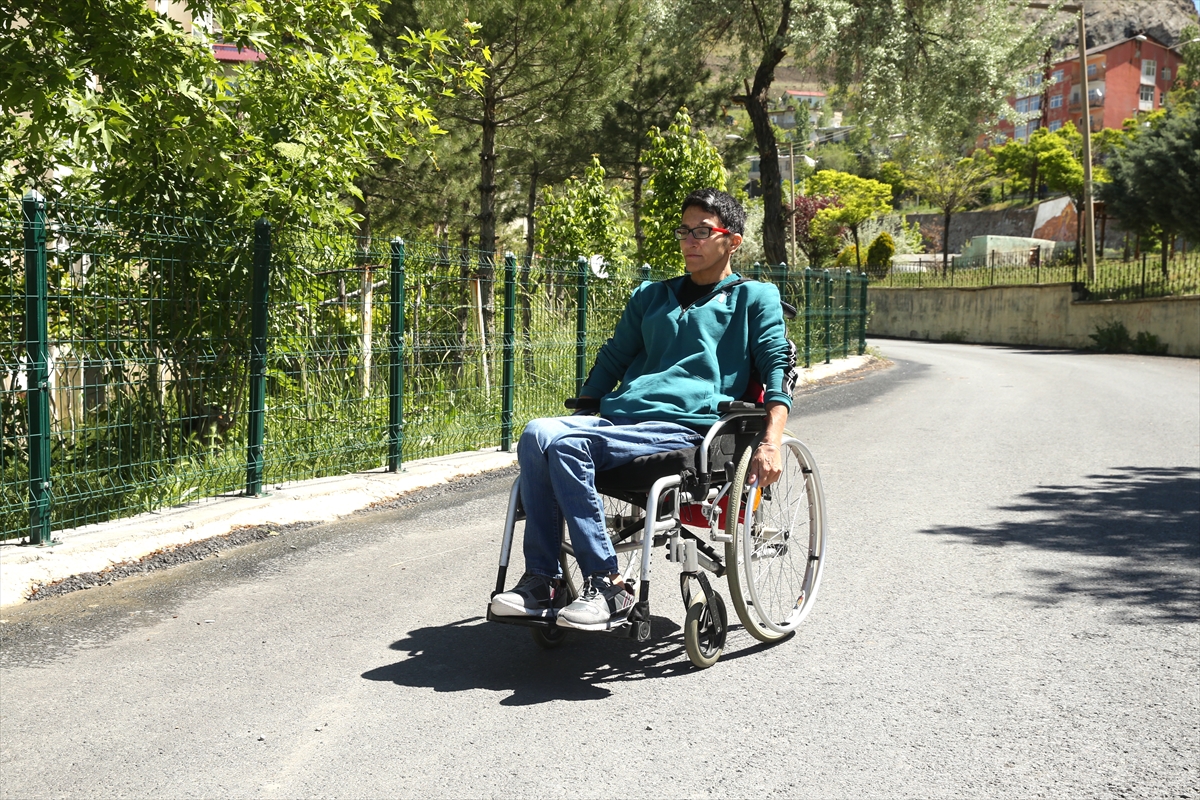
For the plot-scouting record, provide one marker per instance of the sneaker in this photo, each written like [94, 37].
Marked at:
[602, 606]
[533, 596]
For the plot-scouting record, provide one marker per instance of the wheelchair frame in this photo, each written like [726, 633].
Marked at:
[713, 492]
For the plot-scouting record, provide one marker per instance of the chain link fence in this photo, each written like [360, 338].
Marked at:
[148, 361]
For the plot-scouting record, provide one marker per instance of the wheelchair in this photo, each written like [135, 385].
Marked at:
[696, 503]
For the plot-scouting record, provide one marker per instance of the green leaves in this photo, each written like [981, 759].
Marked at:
[111, 100]
[583, 218]
[859, 198]
[681, 160]
[1155, 183]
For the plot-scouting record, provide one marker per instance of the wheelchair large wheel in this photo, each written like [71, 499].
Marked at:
[777, 552]
[704, 629]
[622, 519]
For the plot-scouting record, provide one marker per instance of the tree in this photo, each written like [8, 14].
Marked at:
[879, 254]
[859, 198]
[1182, 95]
[1059, 155]
[817, 239]
[666, 72]
[1016, 162]
[550, 62]
[681, 160]
[936, 70]
[1155, 181]
[767, 31]
[160, 125]
[951, 184]
[583, 218]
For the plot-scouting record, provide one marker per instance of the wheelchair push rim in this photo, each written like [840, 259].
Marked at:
[776, 555]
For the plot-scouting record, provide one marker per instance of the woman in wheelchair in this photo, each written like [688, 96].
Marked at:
[682, 348]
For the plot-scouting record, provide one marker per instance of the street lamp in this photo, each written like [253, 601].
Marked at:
[1089, 222]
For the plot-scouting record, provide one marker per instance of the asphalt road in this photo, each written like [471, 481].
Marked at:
[1010, 609]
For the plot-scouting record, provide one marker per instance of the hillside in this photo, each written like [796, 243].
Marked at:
[1112, 20]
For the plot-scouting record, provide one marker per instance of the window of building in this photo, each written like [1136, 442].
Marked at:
[1028, 104]
[1057, 76]
[1055, 124]
[1146, 98]
[1056, 101]
[1074, 95]
[1092, 70]
[1166, 74]
[1149, 68]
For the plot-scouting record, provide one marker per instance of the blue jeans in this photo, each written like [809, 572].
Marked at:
[559, 459]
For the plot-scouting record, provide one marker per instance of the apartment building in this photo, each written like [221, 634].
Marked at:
[1125, 77]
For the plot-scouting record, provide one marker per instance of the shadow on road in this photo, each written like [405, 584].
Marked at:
[1145, 520]
[467, 655]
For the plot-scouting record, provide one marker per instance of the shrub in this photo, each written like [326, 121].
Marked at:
[1112, 337]
[848, 258]
[1148, 344]
[879, 255]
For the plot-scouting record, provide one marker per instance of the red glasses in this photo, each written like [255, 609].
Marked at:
[699, 232]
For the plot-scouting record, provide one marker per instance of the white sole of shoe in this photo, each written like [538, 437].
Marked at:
[503, 609]
[563, 622]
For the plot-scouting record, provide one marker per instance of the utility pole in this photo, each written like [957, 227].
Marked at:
[792, 175]
[1088, 220]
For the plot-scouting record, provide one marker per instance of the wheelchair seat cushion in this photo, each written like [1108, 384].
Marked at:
[641, 473]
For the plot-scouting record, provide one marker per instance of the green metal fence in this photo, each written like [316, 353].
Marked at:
[1115, 279]
[149, 360]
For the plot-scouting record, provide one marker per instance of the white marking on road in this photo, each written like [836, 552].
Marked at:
[431, 555]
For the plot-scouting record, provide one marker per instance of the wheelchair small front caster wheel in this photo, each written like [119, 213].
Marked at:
[548, 638]
[704, 629]
[643, 630]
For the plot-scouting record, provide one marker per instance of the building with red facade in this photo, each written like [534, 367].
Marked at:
[1124, 78]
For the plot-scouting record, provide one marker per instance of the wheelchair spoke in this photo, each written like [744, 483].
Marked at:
[779, 552]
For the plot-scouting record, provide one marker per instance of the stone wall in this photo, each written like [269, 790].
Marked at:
[1047, 316]
[1053, 219]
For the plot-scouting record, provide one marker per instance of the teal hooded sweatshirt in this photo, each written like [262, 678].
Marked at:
[677, 364]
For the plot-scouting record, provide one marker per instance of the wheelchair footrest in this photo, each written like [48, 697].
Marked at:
[525, 622]
[628, 629]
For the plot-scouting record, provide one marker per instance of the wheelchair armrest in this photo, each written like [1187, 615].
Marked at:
[583, 403]
[726, 406]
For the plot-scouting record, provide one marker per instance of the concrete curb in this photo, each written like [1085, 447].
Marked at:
[96, 547]
[93, 548]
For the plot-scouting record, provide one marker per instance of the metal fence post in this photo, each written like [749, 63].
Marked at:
[37, 349]
[756, 271]
[644, 271]
[808, 312]
[846, 317]
[828, 315]
[396, 370]
[509, 345]
[258, 357]
[581, 304]
[862, 315]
